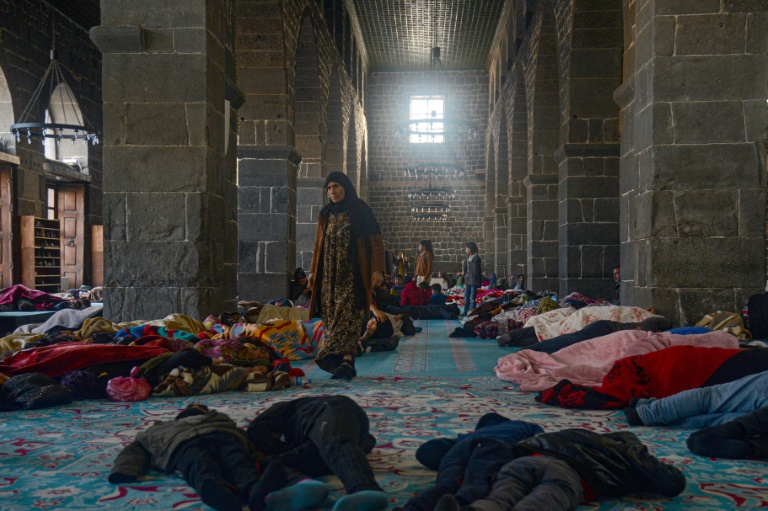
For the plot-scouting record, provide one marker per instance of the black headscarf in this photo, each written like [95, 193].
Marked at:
[363, 221]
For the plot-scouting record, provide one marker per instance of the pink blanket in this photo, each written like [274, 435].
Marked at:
[586, 363]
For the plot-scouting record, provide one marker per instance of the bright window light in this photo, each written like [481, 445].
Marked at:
[430, 111]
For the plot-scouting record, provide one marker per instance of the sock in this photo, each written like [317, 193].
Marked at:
[633, 418]
[275, 477]
[302, 495]
[366, 500]
[346, 371]
[447, 503]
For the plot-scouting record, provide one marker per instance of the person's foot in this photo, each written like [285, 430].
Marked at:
[346, 371]
[367, 500]
[633, 418]
[219, 496]
[302, 495]
[329, 363]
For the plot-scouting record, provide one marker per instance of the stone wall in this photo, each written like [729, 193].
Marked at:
[387, 104]
[693, 155]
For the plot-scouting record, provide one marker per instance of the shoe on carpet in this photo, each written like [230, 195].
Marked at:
[346, 371]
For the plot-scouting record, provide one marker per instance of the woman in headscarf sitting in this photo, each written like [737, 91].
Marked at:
[299, 291]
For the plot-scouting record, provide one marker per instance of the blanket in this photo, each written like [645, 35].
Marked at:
[60, 359]
[41, 299]
[205, 380]
[291, 339]
[657, 374]
[568, 320]
[586, 363]
[67, 319]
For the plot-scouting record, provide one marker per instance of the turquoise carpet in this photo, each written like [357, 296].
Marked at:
[58, 459]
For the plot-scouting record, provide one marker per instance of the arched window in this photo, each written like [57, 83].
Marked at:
[6, 116]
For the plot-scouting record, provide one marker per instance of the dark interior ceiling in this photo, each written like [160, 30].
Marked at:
[85, 13]
[398, 34]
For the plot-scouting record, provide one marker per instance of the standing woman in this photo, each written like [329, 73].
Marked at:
[347, 265]
[473, 271]
[424, 262]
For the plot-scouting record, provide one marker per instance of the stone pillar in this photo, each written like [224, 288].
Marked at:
[500, 242]
[169, 168]
[309, 201]
[692, 174]
[588, 218]
[489, 245]
[542, 232]
[266, 221]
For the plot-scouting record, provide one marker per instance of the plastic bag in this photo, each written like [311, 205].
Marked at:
[128, 389]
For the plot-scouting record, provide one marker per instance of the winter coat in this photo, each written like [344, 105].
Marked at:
[157, 444]
[612, 465]
[370, 258]
[286, 425]
[424, 266]
[413, 295]
[473, 271]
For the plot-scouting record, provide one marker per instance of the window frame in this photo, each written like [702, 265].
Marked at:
[430, 134]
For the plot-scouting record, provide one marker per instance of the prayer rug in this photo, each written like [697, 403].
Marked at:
[57, 459]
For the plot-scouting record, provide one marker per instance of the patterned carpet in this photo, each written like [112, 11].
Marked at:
[58, 459]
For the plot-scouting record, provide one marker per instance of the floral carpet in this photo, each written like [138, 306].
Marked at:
[59, 458]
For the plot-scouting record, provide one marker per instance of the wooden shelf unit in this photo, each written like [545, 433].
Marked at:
[41, 254]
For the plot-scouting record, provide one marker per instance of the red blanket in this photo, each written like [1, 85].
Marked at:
[60, 359]
[656, 374]
[15, 293]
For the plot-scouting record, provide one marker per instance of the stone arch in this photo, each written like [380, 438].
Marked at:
[589, 157]
[308, 126]
[334, 153]
[542, 81]
[7, 142]
[517, 114]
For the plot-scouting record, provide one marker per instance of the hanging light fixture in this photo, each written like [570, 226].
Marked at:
[73, 129]
[448, 126]
[436, 170]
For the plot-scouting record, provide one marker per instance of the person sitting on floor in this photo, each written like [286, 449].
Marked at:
[206, 447]
[316, 436]
[412, 294]
[299, 291]
[437, 298]
[558, 471]
[397, 288]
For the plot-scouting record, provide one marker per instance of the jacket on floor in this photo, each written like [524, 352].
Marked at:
[612, 465]
[156, 445]
[285, 426]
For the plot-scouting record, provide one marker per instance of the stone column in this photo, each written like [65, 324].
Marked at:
[694, 183]
[588, 218]
[500, 241]
[542, 232]
[169, 170]
[267, 220]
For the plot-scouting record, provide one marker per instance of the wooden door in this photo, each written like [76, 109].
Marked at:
[71, 199]
[6, 238]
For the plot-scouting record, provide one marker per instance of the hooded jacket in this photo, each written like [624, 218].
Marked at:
[156, 445]
[612, 464]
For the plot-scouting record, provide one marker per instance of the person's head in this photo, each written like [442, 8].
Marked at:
[521, 278]
[192, 410]
[425, 246]
[339, 188]
[471, 247]
[399, 280]
[300, 276]
[436, 289]
[407, 279]
[424, 286]
[617, 273]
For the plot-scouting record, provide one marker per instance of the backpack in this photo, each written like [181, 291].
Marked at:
[730, 322]
[757, 310]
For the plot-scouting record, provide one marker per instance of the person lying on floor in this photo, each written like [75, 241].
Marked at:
[316, 436]
[702, 407]
[659, 374]
[206, 447]
[743, 438]
[466, 465]
[558, 471]
[382, 331]
[449, 311]
[526, 337]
